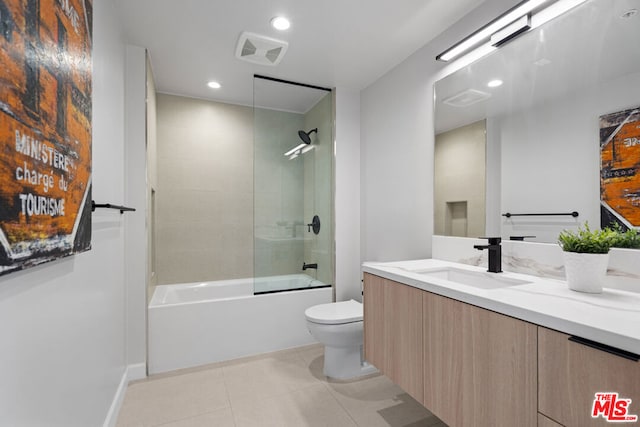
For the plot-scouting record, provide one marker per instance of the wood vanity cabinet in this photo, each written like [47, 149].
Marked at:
[468, 365]
[570, 373]
[474, 367]
[479, 366]
[373, 302]
[393, 332]
[547, 422]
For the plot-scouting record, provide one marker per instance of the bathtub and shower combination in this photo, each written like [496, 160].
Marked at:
[193, 324]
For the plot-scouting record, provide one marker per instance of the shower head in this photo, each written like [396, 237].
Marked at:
[304, 136]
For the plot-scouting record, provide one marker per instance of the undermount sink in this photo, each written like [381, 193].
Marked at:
[477, 279]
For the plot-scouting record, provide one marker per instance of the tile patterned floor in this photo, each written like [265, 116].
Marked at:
[280, 389]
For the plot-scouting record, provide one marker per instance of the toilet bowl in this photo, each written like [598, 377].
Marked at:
[339, 327]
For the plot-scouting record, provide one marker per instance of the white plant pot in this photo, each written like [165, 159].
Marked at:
[585, 272]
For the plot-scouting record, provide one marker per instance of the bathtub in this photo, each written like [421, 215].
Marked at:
[193, 324]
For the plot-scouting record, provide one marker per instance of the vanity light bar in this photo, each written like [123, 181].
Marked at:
[506, 27]
[485, 32]
[511, 31]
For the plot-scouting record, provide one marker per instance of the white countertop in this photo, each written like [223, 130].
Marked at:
[611, 318]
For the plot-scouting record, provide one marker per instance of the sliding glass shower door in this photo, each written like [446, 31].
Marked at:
[293, 186]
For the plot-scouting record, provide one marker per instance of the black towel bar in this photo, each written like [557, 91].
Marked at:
[573, 214]
[122, 209]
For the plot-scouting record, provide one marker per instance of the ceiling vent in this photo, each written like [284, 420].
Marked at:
[260, 49]
[466, 98]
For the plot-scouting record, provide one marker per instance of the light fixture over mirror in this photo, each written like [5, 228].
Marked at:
[523, 17]
[543, 125]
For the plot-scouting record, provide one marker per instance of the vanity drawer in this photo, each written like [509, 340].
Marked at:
[373, 307]
[571, 373]
[393, 332]
[479, 365]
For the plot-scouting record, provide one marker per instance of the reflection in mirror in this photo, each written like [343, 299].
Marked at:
[459, 181]
[544, 121]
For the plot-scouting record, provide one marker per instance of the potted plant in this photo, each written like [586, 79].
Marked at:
[586, 256]
[629, 239]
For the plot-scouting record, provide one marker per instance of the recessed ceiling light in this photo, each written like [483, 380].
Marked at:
[280, 23]
[495, 83]
[629, 13]
[214, 85]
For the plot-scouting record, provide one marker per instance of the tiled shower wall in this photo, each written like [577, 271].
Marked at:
[205, 202]
[204, 199]
[279, 186]
[318, 189]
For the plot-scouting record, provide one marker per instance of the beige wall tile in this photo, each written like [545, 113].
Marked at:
[318, 189]
[460, 175]
[211, 192]
[205, 190]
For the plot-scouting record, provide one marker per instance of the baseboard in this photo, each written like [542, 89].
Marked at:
[136, 372]
[114, 410]
[133, 372]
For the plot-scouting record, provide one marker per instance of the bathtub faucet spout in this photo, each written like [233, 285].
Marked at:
[306, 266]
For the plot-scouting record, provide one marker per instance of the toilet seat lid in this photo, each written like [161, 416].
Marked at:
[335, 313]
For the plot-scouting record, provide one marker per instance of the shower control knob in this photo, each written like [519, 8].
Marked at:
[315, 225]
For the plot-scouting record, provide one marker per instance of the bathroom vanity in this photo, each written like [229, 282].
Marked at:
[507, 349]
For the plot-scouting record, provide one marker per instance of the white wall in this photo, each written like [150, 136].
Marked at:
[152, 178]
[397, 147]
[347, 195]
[135, 222]
[397, 164]
[62, 324]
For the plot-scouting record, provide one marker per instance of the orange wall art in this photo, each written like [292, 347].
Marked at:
[620, 169]
[45, 130]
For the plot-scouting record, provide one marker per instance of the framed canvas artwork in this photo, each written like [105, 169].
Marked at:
[620, 169]
[45, 130]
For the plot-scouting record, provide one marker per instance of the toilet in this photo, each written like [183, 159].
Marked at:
[339, 327]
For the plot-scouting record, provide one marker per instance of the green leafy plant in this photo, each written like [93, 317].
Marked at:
[585, 240]
[629, 239]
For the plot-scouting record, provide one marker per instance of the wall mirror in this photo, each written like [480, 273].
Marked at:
[540, 127]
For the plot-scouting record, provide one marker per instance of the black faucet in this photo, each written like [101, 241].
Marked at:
[495, 253]
[306, 266]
